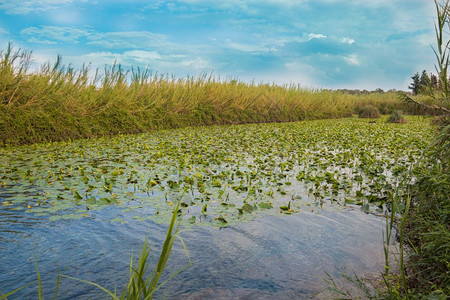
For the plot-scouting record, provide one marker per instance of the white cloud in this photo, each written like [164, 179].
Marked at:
[3, 31]
[347, 40]
[281, 41]
[53, 34]
[66, 17]
[352, 60]
[109, 40]
[171, 64]
[127, 58]
[18, 7]
[127, 39]
[141, 56]
[316, 36]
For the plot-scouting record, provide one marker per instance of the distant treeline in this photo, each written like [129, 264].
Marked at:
[422, 83]
[365, 92]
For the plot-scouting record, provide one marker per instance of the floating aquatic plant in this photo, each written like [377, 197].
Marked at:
[231, 173]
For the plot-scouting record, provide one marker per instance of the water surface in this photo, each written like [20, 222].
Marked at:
[270, 257]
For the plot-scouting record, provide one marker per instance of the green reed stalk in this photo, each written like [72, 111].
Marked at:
[140, 284]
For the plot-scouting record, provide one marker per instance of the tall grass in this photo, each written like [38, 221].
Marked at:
[56, 102]
[428, 227]
[420, 210]
[424, 224]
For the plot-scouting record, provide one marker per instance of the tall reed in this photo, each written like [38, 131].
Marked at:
[424, 221]
[58, 102]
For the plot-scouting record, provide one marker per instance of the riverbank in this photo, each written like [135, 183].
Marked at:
[61, 103]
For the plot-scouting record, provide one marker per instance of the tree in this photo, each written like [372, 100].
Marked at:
[440, 96]
[415, 85]
[424, 79]
[434, 81]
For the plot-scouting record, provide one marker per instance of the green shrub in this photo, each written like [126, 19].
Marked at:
[396, 117]
[369, 112]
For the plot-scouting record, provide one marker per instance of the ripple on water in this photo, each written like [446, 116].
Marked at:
[273, 256]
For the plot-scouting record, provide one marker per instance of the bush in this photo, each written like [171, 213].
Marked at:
[396, 117]
[369, 112]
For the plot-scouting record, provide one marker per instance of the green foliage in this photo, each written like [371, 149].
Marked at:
[396, 117]
[428, 226]
[369, 112]
[424, 84]
[429, 232]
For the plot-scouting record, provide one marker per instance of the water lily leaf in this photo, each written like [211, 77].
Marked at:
[265, 205]
[248, 208]
[365, 208]
[222, 219]
[117, 220]
[78, 196]
[91, 200]
[350, 201]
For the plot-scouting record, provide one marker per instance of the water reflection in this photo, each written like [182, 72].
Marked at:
[270, 257]
[282, 257]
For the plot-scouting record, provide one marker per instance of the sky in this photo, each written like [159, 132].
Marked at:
[354, 44]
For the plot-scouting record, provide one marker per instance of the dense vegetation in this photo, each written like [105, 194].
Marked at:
[226, 173]
[57, 102]
[426, 228]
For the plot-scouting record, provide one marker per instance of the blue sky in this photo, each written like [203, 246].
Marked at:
[363, 44]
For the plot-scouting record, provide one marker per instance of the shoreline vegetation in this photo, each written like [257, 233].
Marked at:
[58, 102]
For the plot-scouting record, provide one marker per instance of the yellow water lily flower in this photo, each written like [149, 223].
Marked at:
[170, 203]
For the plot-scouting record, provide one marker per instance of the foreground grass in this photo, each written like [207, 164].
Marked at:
[58, 102]
[428, 227]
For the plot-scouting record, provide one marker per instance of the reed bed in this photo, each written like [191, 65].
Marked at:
[59, 102]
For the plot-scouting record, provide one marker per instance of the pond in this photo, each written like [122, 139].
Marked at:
[268, 208]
